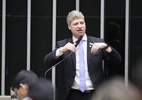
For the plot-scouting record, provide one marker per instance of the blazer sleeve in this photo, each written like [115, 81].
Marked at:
[113, 56]
[50, 59]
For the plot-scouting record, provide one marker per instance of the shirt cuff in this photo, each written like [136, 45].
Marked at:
[58, 52]
[108, 49]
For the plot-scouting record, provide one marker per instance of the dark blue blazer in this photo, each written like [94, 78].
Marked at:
[65, 72]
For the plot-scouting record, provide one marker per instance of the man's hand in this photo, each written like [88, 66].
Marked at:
[68, 46]
[96, 46]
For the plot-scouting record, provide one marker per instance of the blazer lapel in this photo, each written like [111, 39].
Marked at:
[88, 50]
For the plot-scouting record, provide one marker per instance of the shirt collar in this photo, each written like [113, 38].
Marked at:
[26, 98]
[84, 38]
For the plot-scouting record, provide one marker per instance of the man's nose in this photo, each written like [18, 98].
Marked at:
[79, 25]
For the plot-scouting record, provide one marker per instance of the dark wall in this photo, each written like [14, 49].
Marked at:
[115, 33]
[16, 37]
[135, 34]
[16, 34]
[41, 34]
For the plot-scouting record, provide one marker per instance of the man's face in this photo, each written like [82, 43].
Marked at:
[77, 27]
[22, 91]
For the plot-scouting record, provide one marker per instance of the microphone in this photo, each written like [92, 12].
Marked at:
[77, 42]
[79, 39]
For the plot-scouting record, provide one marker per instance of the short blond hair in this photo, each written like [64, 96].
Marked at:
[74, 14]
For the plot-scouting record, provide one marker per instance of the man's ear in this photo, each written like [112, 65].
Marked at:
[23, 86]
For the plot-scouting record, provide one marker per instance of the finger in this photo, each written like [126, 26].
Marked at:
[91, 44]
[92, 49]
[74, 50]
[74, 44]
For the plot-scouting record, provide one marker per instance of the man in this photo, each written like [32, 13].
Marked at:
[69, 76]
[23, 80]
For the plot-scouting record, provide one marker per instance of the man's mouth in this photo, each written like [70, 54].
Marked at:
[80, 30]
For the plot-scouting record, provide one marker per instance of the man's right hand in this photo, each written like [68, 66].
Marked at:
[68, 46]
